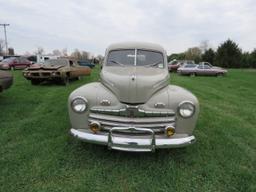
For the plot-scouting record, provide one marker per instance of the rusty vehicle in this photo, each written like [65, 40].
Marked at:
[203, 68]
[6, 80]
[59, 70]
[133, 107]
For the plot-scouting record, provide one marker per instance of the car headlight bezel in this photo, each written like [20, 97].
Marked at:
[186, 105]
[74, 103]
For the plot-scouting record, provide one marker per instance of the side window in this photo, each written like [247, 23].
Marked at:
[22, 60]
[17, 60]
[207, 66]
[200, 67]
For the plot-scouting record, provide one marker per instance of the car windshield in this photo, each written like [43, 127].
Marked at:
[54, 62]
[132, 57]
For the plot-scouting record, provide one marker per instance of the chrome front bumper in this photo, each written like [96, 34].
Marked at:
[132, 143]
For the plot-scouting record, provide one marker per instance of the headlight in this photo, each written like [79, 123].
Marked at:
[186, 109]
[79, 104]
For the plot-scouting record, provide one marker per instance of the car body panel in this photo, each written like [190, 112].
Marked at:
[6, 80]
[86, 63]
[131, 103]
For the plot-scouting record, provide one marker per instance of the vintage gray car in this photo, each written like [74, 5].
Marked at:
[133, 107]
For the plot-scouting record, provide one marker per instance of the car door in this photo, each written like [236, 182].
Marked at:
[208, 70]
[21, 63]
[16, 63]
[200, 69]
[78, 70]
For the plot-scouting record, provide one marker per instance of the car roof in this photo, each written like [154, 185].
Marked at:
[136, 45]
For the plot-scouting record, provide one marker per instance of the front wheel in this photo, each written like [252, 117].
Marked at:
[66, 81]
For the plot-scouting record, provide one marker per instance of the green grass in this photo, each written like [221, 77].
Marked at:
[37, 153]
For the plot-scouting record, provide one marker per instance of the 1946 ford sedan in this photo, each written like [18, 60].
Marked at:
[133, 107]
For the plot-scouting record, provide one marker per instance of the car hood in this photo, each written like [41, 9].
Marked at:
[134, 84]
[46, 67]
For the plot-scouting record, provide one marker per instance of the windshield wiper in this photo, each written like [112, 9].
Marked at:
[153, 64]
[116, 62]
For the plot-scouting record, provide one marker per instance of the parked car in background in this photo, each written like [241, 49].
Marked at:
[55, 70]
[203, 68]
[6, 80]
[86, 63]
[173, 65]
[187, 69]
[134, 108]
[15, 63]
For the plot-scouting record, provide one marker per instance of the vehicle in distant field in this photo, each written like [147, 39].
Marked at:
[8, 56]
[61, 70]
[6, 80]
[15, 63]
[173, 65]
[203, 68]
[87, 63]
[134, 108]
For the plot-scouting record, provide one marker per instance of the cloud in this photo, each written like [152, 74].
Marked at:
[93, 25]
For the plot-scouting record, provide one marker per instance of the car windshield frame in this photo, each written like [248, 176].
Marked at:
[136, 58]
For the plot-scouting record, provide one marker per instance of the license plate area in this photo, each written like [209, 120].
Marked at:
[131, 143]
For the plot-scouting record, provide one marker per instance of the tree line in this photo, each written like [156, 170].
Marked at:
[228, 55]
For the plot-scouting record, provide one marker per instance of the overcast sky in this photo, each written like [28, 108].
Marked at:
[93, 25]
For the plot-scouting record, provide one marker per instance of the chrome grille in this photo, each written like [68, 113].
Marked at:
[155, 120]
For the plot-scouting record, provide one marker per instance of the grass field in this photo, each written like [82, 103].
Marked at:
[37, 153]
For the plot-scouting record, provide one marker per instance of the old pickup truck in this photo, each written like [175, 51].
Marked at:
[133, 107]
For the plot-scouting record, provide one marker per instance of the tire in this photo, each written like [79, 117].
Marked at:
[66, 81]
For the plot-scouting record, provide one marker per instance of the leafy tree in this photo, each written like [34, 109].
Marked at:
[245, 60]
[229, 55]
[193, 53]
[177, 56]
[253, 58]
[209, 55]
